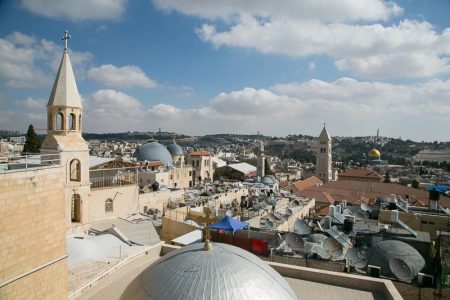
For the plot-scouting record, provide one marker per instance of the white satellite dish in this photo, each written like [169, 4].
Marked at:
[302, 227]
[401, 269]
[356, 258]
[268, 224]
[365, 207]
[316, 238]
[332, 247]
[321, 252]
[229, 213]
[294, 241]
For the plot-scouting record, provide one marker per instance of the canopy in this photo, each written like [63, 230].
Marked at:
[229, 224]
[440, 188]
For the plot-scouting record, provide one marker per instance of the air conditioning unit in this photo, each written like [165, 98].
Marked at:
[373, 271]
[425, 279]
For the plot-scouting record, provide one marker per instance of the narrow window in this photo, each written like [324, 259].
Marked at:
[75, 170]
[59, 121]
[76, 208]
[79, 122]
[109, 206]
[72, 121]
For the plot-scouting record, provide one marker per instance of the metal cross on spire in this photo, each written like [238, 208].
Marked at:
[65, 38]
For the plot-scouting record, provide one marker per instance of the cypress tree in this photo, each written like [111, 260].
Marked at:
[32, 142]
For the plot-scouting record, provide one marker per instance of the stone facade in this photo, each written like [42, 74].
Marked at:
[32, 234]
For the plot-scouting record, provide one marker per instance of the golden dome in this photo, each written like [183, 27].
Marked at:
[374, 153]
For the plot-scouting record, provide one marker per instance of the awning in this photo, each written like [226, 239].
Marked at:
[229, 224]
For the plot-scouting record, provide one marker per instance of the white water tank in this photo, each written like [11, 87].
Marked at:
[394, 216]
[331, 210]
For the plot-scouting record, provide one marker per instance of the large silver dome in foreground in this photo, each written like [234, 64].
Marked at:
[223, 273]
[154, 151]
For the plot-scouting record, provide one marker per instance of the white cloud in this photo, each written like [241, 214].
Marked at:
[323, 10]
[24, 60]
[126, 76]
[351, 107]
[348, 31]
[32, 103]
[76, 10]
[409, 49]
[36, 117]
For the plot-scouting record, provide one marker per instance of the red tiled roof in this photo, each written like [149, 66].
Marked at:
[302, 185]
[360, 173]
[200, 153]
[354, 191]
[153, 164]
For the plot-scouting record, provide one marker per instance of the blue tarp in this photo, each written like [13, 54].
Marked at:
[229, 224]
[440, 188]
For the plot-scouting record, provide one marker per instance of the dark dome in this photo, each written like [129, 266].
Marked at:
[153, 151]
[222, 273]
[175, 149]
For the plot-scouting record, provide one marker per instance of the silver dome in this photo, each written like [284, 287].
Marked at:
[267, 180]
[396, 259]
[175, 149]
[224, 272]
[153, 151]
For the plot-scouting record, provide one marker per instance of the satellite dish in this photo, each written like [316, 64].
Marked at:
[401, 269]
[316, 238]
[268, 224]
[229, 213]
[294, 241]
[332, 247]
[321, 252]
[366, 207]
[302, 227]
[356, 258]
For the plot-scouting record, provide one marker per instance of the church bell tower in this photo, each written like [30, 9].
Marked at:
[64, 139]
[323, 156]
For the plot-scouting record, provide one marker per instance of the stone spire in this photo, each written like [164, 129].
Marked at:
[65, 91]
[324, 136]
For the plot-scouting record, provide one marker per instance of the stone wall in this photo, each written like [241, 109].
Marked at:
[33, 261]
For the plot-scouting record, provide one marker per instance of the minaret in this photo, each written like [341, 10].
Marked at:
[64, 140]
[323, 156]
[261, 161]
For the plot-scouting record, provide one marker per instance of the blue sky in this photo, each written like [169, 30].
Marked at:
[200, 67]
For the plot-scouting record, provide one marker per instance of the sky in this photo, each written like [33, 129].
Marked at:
[208, 66]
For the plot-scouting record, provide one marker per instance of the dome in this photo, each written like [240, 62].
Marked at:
[374, 153]
[153, 151]
[175, 149]
[267, 180]
[396, 259]
[224, 272]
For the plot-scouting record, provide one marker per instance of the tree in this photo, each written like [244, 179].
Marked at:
[32, 142]
[415, 184]
[387, 177]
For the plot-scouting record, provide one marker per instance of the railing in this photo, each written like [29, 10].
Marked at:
[17, 162]
[104, 178]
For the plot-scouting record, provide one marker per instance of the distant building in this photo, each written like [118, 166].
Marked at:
[360, 175]
[433, 155]
[323, 156]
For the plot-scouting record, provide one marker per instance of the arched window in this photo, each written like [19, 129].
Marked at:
[76, 208]
[72, 122]
[75, 170]
[59, 121]
[109, 207]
